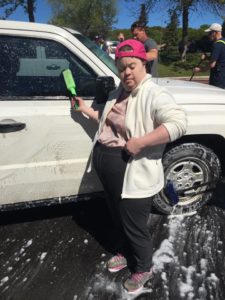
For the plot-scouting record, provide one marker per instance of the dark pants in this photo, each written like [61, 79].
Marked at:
[130, 216]
[217, 77]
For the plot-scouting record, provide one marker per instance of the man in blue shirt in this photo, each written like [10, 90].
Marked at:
[217, 60]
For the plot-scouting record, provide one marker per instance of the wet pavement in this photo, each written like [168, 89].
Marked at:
[59, 253]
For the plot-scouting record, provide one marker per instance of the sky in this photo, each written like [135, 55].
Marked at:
[125, 18]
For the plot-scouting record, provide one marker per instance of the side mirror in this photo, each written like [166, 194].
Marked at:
[104, 85]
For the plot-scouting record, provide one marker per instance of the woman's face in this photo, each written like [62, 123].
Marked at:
[131, 71]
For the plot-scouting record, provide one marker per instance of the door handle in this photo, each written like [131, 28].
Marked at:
[10, 125]
[53, 67]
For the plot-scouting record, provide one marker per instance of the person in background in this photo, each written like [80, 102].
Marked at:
[216, 63]
[139, 32]
[99, 40]
[120, 37]
[138, 120]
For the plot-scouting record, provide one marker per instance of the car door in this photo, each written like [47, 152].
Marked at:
[44, 147]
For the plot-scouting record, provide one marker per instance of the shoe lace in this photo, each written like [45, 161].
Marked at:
[118, 257]
[138, 276]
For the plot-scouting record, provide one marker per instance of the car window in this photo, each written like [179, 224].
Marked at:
[33, 67]
[101, 54]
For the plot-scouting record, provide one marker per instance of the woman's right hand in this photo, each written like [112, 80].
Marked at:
[80, 106]
[79, 102]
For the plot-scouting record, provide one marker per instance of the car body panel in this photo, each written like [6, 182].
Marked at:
[48, 157]
[187, 92]
[204, 104]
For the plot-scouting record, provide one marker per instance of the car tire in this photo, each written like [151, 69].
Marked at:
[188, 166]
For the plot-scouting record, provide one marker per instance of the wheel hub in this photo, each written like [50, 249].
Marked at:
[184, 175]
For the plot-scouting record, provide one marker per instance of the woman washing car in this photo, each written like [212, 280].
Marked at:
[139, 118]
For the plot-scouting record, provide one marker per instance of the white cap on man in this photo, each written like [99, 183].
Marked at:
[214, 27]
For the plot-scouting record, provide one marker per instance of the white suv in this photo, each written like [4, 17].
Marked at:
[44, 147]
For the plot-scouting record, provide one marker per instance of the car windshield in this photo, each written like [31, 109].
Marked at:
[102, 55]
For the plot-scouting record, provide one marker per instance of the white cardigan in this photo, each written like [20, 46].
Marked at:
[148, 107]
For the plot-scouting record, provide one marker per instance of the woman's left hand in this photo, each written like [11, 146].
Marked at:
[134, 146]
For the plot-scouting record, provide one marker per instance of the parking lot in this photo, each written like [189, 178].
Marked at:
[59, 252]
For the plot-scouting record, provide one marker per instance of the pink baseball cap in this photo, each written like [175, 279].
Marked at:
[137, 49]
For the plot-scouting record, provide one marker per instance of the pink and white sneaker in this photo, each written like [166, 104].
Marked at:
[116, 263]
[136, 281]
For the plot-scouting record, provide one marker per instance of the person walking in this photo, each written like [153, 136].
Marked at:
[138, 119]
[216, 63]
[139, 32]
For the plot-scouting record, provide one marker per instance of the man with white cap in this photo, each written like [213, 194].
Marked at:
[217, 60]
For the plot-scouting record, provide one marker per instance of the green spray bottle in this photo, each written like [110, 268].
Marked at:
[70, 85]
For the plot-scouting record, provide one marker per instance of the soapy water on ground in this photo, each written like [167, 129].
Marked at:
[63, 258]
[175, 265]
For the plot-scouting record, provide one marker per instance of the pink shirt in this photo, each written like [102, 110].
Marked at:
[113, 133]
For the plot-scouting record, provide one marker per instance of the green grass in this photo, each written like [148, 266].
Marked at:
[171, 71]
[170, 65]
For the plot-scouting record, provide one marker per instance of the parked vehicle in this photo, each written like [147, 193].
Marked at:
[44, 147]
[112, 47]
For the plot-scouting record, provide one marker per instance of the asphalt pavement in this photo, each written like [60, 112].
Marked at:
[59, 253]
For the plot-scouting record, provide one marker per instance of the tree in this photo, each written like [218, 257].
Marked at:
[215, 6]
[171, 31]
[143, 18]
[89, 17]
[10, 6]
[185, 6]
